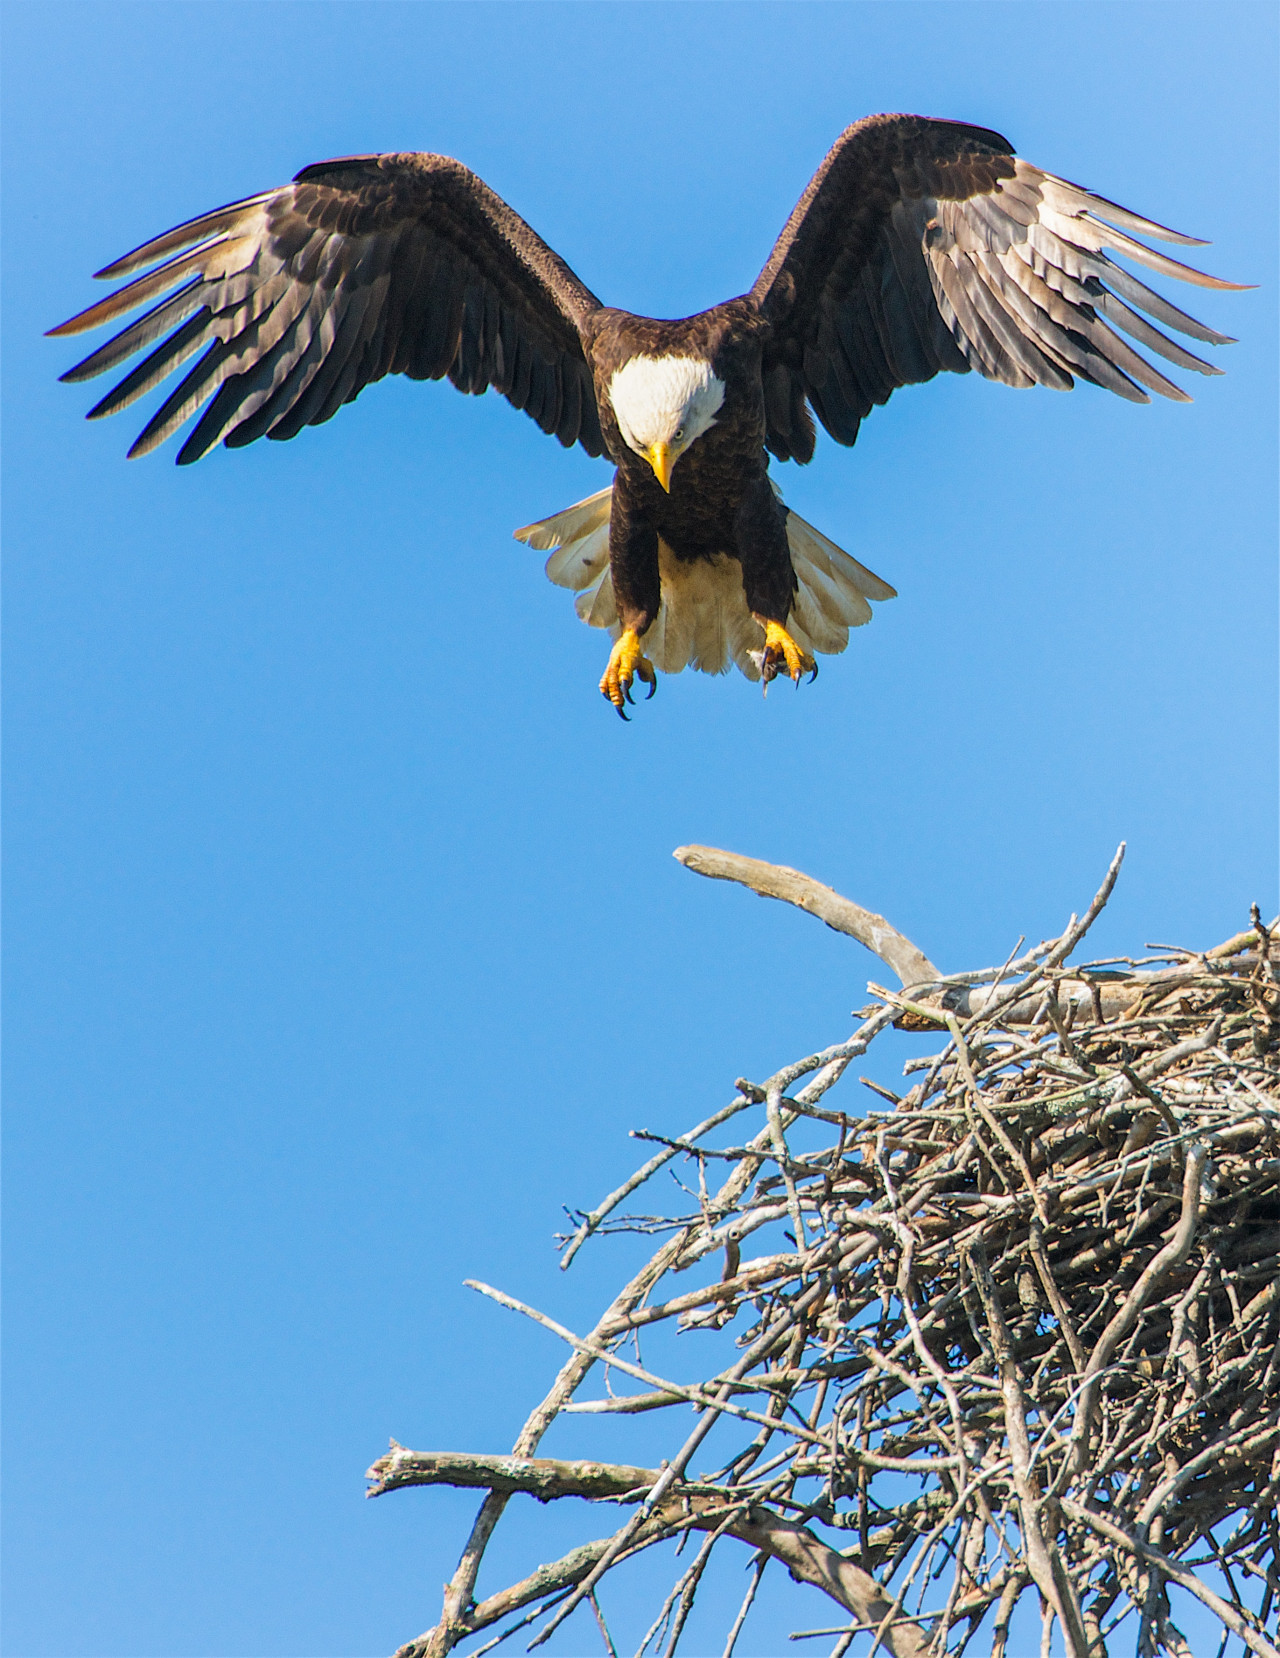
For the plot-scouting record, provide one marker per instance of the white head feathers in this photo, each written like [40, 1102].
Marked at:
[667, 401]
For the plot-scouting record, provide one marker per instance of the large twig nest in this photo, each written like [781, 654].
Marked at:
[1021, 1335]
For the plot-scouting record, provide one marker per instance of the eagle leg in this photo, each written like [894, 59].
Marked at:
[781, 654]
[626, 662]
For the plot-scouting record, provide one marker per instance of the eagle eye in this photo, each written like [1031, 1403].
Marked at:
[679, 432]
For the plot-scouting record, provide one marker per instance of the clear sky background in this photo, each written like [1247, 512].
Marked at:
[344, 939]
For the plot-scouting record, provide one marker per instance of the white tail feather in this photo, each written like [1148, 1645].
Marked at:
[703, 621]
[564, 527]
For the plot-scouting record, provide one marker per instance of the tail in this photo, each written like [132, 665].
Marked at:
[703, 621]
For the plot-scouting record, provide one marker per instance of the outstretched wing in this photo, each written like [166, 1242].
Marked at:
[927, 245]
[372, 265]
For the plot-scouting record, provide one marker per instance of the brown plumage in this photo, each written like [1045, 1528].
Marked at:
[919, 246]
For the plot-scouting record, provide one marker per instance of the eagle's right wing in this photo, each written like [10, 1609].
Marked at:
[925, 245]
[371, 265]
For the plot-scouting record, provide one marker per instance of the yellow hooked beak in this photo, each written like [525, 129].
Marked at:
[661, 459]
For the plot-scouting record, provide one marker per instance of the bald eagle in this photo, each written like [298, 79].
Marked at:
[919, 245]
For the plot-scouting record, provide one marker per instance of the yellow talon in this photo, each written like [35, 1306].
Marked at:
[626, 662]
[781, 653]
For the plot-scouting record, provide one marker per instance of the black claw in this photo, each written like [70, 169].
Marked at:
[626, 691]
[622, 713]
[814, 674]
[653, 686]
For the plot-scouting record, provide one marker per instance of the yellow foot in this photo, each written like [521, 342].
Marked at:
[626, 662]
[781, 654]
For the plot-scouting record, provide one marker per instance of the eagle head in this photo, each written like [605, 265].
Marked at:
[662, 405]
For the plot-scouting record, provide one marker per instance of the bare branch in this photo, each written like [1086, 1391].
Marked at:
[807, 1558]
[841, 914]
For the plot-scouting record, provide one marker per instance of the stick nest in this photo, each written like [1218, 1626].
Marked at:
[1016, 1333]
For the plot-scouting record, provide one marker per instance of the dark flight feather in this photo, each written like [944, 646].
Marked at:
[922, 245]
[368, 265]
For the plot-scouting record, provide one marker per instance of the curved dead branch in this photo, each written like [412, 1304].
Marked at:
[841, 914]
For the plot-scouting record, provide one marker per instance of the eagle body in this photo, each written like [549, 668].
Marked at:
[719, 501]
[920, 246]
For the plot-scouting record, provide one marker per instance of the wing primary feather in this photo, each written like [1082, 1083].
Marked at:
[293, 367]
[1072, 310]
[240, 395]
[310, 369]
[1041, 329]
[264, 355]
[184, 342]
[200, 229]
[1045, 317]
[1157, 306]
[134, 294]
[1117, 312]
[187, 397]
[257, 388]
[220, 413]
[1075, 198]
[167, 314]
[1118, 242]
[267, 404]
[1089, 347]
[282, 340]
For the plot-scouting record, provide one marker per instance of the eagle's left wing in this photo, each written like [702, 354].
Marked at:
[301, 296]
[925, 245]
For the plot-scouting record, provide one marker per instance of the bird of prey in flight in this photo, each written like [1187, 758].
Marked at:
[919, 245]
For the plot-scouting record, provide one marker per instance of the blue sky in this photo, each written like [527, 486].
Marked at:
[344, 942]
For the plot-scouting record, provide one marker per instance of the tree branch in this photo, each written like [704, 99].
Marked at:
[806, 1556]
[841, 914]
